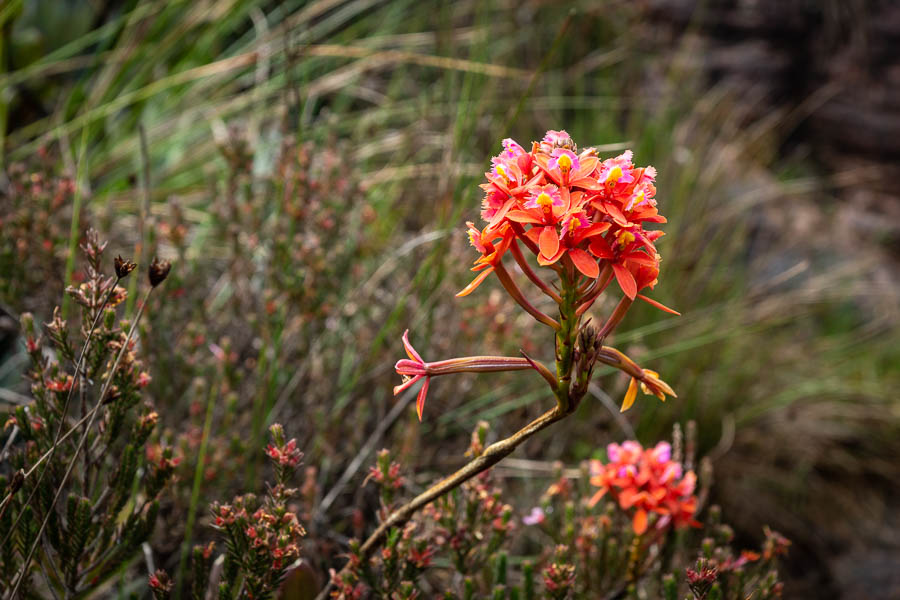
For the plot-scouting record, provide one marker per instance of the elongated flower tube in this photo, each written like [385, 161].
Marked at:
[415, 368]
[648, 380]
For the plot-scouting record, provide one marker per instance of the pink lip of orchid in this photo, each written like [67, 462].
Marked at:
[544, 197]
[511, 149]
[564, 160]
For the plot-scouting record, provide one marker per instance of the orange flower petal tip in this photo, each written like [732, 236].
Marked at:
[630, 395]
[640, 522]
[475, 283]
[659, 305]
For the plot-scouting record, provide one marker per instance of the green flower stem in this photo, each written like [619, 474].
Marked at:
[565, 340]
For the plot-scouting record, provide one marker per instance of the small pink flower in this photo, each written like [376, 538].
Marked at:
[574, 222]
[144, 379]
[564, 160]
[217, 352]
[60, 385]
[511, 150]
[535, 517]
[493, 201]
[475, 238]
[500, 168]
[663, 452]
[544, 196]
[618, 170]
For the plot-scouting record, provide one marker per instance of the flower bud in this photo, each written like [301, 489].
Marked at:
[158, 271]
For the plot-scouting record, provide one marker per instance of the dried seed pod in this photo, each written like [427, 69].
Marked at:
[123, 267]
[159, 270]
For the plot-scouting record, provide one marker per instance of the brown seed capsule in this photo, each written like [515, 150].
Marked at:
[159, 270]
[123, 267]
[16, 482]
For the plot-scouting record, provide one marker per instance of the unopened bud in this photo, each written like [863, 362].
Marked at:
[159, 270]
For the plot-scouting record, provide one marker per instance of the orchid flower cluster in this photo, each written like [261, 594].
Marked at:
[647, 482]
[583, 218]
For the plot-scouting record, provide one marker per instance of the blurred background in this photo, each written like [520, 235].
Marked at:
[309, 166]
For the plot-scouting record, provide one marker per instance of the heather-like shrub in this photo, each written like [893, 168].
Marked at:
[86, 478]
[261, 537]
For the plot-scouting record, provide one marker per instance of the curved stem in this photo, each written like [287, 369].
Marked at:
[520, 233]
[616, 317]
[516, 293]
[529, 272]
[600, 284]
[491, 456]
[566, 332]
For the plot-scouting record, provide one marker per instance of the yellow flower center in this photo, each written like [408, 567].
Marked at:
[502, 171]
[544, 199]
[564, 162]
[614, 175]
[625, 238]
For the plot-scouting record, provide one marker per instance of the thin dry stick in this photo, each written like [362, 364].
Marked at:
[57, 438]
[491, 456]
[93, 414]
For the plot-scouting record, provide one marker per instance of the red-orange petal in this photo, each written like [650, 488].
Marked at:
[630, 395]
[549, 260]
[420, 399]
[642, 258]
[584, 262]
[549, 241]
[586, 183]
[595, 229]
[501, 214]
[658, 305]
[521, 216]
[475, 283]
[640, 522]
[597, 496]
[616, 213]
[410, 351]
[600, 248]
[625, 279]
